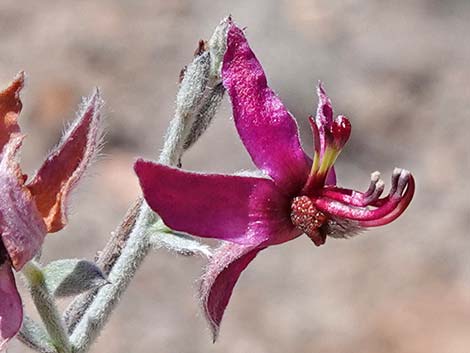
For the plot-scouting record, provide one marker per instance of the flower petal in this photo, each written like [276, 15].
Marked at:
[219, 279]
[21, 226]
[10, 107]
[324, 117]
[331, 177]
[11, 309]
[243, 210]
[267, 129]
[67, 163]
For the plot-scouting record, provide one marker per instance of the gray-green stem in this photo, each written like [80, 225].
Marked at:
[89, 320]
[134, 252]
[46, 306]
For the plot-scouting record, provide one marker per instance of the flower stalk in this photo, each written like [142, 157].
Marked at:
[46, 306]
[196, 104]
[34, 336]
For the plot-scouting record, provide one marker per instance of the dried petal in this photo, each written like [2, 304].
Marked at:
[10, 107]
[21, 226]
[11, 309]
[66, 164]
[219, 279]
[267, 129]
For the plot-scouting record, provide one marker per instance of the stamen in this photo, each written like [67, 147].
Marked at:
[395, 176]
[374, 178]
[356, 198]
[387, 209]
[399, 209]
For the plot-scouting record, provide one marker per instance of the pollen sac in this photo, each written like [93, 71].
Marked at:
[308, 219]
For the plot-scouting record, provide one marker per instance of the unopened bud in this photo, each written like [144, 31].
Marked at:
[193, 85]
[217, 46]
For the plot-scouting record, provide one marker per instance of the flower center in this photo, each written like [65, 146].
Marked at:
[308, 219]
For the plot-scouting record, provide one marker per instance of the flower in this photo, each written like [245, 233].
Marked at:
[29, 210]
[294, 196]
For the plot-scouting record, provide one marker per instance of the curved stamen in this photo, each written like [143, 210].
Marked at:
[399, 209]
[390, 205]
[356, 198]
[374, 178]
[398, 181]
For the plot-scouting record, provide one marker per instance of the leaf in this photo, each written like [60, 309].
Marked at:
[163, 237]
[70, 277]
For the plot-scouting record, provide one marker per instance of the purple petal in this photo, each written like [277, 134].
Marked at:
[11, 309]
[243, 210]
[64, 167]
[219, 279]
[331, 177]
[21, 226]
[324, 117]
[267, 129]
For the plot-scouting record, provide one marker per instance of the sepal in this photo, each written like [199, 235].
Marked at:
[70, 277]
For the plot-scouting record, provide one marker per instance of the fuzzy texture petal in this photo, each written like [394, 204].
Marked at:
[10, 107]
[219, 279]
[324, 117]
[11, 309]
[244, 210]
[66, 164]
[267, 129]
[21, 226]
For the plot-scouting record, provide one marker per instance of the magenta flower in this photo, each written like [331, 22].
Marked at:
[29, 210]
[294, 196]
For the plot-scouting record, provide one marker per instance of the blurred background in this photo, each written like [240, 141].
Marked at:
[398, 69]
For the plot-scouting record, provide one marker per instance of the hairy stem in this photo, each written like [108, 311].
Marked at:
[122, 261]
[33, 336]
[129, 245]
[46, 306]
[131, 257]
[106, 260]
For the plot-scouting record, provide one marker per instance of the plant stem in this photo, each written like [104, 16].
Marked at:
[128, 247]
[129, 257]
[106, 260]
[46, 307]
[132, 255]
[33, 336]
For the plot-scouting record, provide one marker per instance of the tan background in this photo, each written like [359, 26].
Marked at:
[399, 69]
